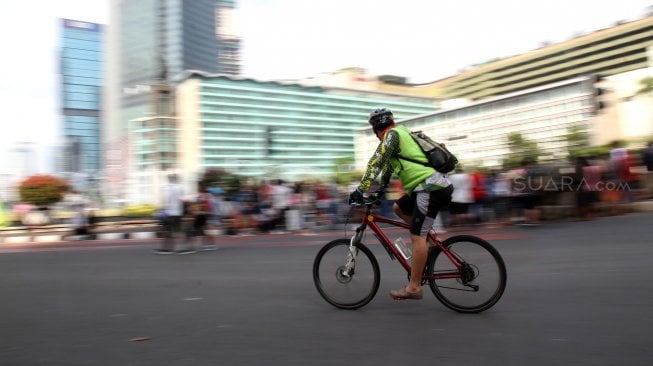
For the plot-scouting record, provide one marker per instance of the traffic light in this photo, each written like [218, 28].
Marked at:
[268, 141]
[598, 93]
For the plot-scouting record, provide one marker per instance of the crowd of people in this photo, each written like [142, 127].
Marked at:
[591, 186]
[582, 189]
[274, 206]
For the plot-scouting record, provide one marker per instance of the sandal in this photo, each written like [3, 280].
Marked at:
[405, 295]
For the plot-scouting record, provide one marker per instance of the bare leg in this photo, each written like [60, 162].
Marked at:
[400, 213]
[420, 253]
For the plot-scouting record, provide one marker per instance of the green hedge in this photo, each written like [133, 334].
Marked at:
[143, 210]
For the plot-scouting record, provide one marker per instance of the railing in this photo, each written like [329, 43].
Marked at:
[127, 229]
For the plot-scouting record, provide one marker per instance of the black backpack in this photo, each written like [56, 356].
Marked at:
[439, 158]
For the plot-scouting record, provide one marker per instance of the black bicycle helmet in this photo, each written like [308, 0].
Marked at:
[381, 118]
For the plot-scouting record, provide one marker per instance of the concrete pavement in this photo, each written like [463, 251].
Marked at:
[579, 293]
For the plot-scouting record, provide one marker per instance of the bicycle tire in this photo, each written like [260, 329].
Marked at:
[327, 275]
[483, 260]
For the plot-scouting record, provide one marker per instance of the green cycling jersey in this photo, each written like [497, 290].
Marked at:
[386, 159]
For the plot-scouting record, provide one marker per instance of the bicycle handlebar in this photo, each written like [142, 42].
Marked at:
[371, 199]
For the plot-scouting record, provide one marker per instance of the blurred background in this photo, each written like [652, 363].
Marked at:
[106, 99]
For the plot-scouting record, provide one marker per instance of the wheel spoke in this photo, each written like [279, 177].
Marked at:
[342, 280]
[480, 278]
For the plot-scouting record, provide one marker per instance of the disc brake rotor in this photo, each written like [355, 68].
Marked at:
[341, 276]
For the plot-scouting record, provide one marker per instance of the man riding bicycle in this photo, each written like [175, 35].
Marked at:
[427, 191]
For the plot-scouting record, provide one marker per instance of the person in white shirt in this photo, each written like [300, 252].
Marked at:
[173, 212]
[281, 200]
[461, 198]
[77, 203]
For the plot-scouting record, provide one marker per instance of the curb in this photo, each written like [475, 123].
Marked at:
[16, 239]
[56, 238]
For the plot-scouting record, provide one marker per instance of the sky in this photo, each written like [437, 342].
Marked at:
[423, 40]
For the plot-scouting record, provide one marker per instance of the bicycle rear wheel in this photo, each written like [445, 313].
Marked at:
[482, 278]
[341, 288]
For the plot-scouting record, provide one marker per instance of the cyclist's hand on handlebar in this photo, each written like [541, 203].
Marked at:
[356, 197]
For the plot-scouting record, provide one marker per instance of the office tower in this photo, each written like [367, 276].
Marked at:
[150, 42]
[81, 84]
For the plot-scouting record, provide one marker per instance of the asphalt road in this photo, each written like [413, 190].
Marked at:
[579, 293]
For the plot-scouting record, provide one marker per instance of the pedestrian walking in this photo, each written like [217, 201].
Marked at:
[461, 199]
[172, 216]
[77, 204]
[202, 211]
[647, 159]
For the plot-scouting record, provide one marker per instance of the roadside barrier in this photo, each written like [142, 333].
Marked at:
[133, 229]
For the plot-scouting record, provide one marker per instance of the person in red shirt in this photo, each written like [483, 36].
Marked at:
[201, 210]
[479, 194]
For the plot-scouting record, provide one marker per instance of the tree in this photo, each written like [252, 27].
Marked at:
[577, 140]
[42, 189]
[646, 86]
[344, 172]
[5, 217]
[214, 177]
[520, 148]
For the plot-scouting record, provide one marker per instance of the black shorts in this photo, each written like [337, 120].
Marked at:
[423, 207]
[172, 225]
[200, 222]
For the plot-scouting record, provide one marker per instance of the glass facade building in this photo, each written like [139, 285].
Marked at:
[276, 130]
[478, 133]
[149, 45]
[153, 41]
[81, 84]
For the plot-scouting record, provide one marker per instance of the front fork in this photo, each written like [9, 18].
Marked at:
[350, 264]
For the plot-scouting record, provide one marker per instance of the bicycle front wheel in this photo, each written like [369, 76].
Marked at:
[344, 279]
[474, 287]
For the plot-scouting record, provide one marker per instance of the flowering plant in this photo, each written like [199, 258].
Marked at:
[42, 189]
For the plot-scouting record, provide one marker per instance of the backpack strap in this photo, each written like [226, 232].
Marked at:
[426, 164]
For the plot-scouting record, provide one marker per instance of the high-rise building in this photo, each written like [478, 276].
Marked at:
[624, 47]
[149, 45]
[271, 129]
[478, 132]
[21, 161]
[81, 84]
[153, 41]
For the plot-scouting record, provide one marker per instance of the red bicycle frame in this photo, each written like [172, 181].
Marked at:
[373, 222]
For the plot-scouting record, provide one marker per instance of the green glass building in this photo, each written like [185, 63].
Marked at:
[274, 129]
